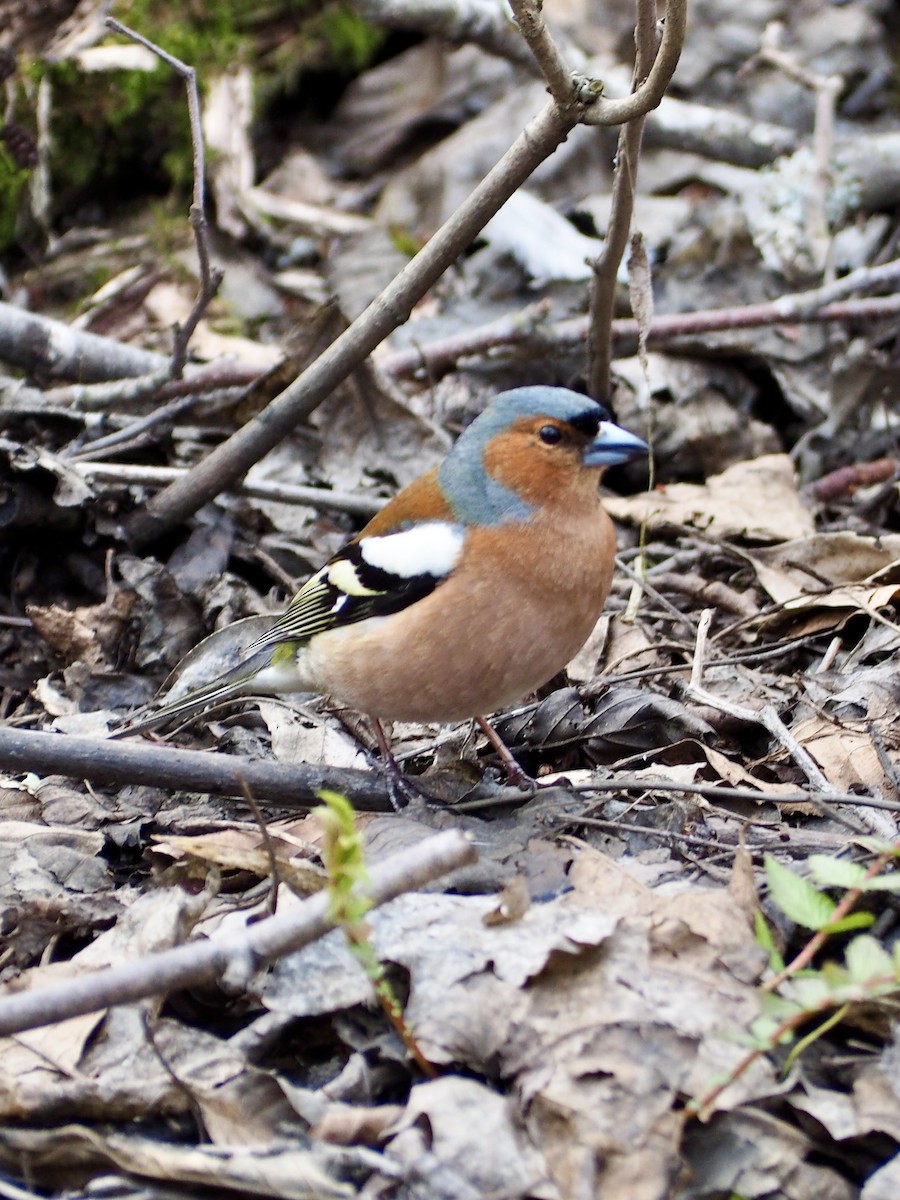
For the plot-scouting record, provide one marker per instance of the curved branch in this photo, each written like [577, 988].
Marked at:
[652, 90]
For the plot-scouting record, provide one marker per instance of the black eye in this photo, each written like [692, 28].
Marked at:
[550, 434]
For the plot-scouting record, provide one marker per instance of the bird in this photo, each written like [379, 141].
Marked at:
[467, 591]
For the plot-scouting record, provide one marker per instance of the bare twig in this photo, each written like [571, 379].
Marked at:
[770, 720]
[648, 589]
[819, 305]
[700, 648]
[606, 266]
[710, 791]
[546, 53]
[132, 431]
[650, 93]
[207, 960]
[284, 493]
[295, 786]
[434, 359]
[210, 278]
[42, 344]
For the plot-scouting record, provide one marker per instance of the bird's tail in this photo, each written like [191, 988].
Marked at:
[236, 682]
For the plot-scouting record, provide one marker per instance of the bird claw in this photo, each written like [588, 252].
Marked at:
[518, 778]
[403, 791]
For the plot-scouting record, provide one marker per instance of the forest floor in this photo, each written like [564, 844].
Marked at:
[672, 971]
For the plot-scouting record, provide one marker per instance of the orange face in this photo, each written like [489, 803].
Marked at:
[541, 459]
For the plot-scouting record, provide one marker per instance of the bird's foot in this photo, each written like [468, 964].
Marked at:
[404, 790]
[520, 779]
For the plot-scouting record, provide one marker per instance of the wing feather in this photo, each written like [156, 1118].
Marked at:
[372, 577]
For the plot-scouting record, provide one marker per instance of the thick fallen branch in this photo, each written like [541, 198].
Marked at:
[41, 344]
[208, 960]
[188, 770]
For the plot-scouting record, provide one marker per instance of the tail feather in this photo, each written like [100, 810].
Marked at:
[236, 682]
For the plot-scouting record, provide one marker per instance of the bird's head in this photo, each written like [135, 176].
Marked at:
[531, 448]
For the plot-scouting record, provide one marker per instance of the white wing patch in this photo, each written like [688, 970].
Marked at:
[342, 575]
[432, 548]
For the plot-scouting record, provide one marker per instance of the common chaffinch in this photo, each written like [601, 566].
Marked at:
[472, 587]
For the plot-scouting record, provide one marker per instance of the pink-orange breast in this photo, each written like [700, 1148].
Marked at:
[521, 602]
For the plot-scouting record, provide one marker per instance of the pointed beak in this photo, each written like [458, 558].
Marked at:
[613, 445]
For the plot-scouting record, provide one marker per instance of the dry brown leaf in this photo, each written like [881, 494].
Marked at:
[92, 634]
[757, 1154]
[603, 1007]
[846, 755]
[298, 737]
[628, 647]
[242, 850]
[286, 1173]
[437, 1139]
[349, 1125]
[734, 773]
[841, 557]
[758, 500]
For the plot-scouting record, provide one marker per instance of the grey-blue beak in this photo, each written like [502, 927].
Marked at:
[613, 445]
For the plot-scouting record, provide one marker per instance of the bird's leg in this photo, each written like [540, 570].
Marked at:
[401, 789]
[396, 782]
[514, 773]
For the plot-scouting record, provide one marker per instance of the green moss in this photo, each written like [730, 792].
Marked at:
[352, 43]
[13, 179]
[131, 128]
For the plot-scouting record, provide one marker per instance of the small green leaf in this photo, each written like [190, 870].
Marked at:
[835, 872]
[811, 992]
[796, 897]
[867, 959]
[877, 845]
[766, 940]
[883, 883]
[836, 975]
[778, 1008]
[858, 920]
[762, 1033]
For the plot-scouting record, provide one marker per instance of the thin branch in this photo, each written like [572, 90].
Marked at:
[770, 720]
[283, 493]
[42, 344]
[703, 626]
[649, 95]
[816, 306]
[210, 279]
[606, 266]
[648, 589]
[547, 54]
[208, 960]
[710, 791]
